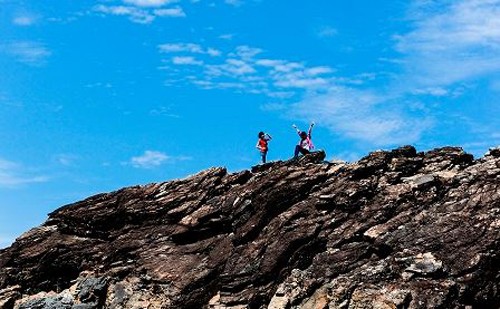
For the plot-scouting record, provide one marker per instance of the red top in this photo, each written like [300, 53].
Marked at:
[263, 144]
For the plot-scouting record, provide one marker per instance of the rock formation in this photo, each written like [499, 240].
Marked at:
[397, 229]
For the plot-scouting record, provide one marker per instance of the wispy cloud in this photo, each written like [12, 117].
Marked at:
[142, 11]
[28, 52]
[149, 3]
[451, 41]
[66, 159]
[99, 85]
[246, 68]
[238, 3]
[234, 2]
[449, 44]
[188, 60]
[188, 48]
[362, 115]
[326, 32]
[136, 15]
[310, 92]
[165, 111]
[151, 159]
[24, 20]
[13, 175]
[171, 12]
[8, 101]
[227, 36]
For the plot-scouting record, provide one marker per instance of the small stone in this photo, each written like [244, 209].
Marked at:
[419, 180]
[425, 264]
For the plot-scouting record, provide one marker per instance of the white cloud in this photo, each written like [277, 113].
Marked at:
[172, 12]
[187, 48]
[296, 75]
[24, 20]
[318, 71]
[149, 159]
[281, 66]
[226, 36]
[357, 114]
[238, 67]
[448, 45]
[28, 52]
[115, 10]
[219, 85]
[99, 85]
[327, 32]
[347, 156]
[66, 159]
[213, 52]
[13, 175]
[180, 47]
[136, 15]
[361, 115]
[6, 100]
[246, 52]
[244, 69]
[269, 62]
[297, 81]
[234, 2]
[452, 43]
[165, 111]
[433, 91]
[149, 3]
[141, 11]
[186, 61]
[7, 165]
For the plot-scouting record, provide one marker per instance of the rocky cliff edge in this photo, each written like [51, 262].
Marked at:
[397, 229]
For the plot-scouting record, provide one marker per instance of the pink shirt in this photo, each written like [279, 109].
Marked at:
[306, 143]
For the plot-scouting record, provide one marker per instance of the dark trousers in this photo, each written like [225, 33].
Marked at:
[301, 150]
[263, 154]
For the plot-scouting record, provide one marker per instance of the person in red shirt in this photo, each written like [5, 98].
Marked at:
[264, 138]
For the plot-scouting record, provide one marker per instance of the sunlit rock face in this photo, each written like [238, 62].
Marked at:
[397, 229]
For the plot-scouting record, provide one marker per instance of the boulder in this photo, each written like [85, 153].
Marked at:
[397, 229]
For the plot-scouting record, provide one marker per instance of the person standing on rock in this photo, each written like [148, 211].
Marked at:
[264, 138]
[305, 144]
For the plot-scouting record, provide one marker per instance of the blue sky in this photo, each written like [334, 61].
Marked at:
[98, 95]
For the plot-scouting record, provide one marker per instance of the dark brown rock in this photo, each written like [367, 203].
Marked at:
[398, 229]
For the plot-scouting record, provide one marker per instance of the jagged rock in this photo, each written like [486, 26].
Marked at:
[494, 152]
[9, 295]
[92, 290]
[425, 264]
[397, 229]
[49, 300]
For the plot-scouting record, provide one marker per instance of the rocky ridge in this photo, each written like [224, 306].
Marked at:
[397, 229]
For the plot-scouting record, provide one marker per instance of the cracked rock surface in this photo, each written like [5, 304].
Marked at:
[397, 229]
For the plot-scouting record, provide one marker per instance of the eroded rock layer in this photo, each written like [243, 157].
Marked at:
[397, 229]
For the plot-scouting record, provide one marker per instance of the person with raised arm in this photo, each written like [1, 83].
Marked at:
[305, 144]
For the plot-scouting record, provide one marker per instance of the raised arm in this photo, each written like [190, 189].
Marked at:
[310, 129]
[297, 129]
